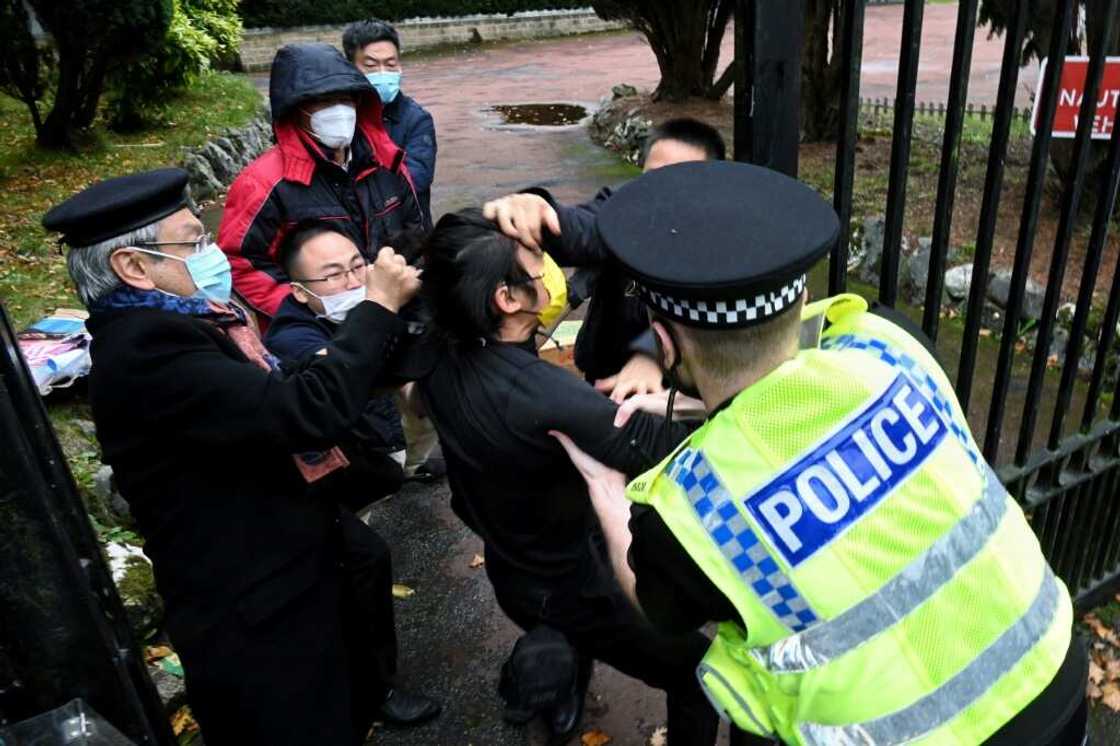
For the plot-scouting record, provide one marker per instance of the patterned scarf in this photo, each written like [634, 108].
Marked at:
[231, 319]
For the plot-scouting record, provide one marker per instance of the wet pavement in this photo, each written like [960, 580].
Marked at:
[453, 637]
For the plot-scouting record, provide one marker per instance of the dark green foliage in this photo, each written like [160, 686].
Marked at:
[260, 13]
[90, 38]
[202, 34]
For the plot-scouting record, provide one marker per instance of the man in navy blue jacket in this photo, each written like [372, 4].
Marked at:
[375, 49]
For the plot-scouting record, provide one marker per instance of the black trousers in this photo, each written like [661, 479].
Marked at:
[284, 680]
[367, 568]
[590, 609]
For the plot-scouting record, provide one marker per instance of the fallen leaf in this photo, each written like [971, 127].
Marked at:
[659, 737]
[1110, 696]
[402, 591]
[1096, 673]
[594, 738]
[1112, 669]
[153, 653]
[1092, 691]
[183, 721]
[985, 332]
[1102, 630]
[477, 561]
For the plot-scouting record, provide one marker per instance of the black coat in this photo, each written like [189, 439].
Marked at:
[200, 440]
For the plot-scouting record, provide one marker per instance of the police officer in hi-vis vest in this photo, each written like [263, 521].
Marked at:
[873, 581]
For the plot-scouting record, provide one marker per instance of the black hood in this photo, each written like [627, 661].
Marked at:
[301, 72]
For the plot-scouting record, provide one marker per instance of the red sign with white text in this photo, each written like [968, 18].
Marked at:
[1071, 93]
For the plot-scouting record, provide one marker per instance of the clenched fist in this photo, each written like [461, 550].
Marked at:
[390, 281]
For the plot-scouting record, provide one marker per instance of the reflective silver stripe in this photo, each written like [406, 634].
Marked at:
[901, 595]
[958, 693]
[704, 668]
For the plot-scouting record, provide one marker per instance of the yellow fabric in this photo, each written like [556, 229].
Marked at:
[557, 286]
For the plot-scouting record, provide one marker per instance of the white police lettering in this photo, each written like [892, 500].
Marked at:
[859, 490]
[780, 519]
[886, 445]
[817, 500]
[841, 479]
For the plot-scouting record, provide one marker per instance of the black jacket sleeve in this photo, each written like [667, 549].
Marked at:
[579, 243]
[550, 398]
[673, 591]
[207, 397]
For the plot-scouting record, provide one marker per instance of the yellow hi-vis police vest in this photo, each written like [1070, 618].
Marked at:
[891, 590]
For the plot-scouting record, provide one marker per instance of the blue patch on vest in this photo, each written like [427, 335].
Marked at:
[841, 480]
[737, 542]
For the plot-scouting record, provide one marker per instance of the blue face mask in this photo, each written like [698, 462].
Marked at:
[388, 85]
[211, 273]
[209, 270]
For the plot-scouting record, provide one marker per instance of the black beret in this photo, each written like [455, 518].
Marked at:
[116, 206]
[718, 244]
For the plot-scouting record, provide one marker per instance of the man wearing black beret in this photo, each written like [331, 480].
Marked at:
[216, 452]
[873, 580]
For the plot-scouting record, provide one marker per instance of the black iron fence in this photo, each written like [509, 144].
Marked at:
[1068, 484]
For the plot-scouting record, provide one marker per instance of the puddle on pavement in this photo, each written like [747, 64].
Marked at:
[540, 115]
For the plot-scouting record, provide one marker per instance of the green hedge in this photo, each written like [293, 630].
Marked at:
[259, 13]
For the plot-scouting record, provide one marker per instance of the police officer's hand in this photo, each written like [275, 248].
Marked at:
[523, 217]
[604, 484]
[390, 281]
[641, 375]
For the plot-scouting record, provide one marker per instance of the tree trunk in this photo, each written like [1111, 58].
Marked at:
[681, 77]
[56, 132]
[93, 82]
[820, 94]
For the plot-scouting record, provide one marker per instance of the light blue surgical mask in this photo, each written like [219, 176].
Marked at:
[388, 85]
[209, 270]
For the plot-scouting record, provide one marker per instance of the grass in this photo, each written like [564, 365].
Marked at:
[33, 278]
[32, 274]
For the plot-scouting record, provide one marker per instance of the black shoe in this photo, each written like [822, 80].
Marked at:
[404, 708]
[565, 718]
[430, 471]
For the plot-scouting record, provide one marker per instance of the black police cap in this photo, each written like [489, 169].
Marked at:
[718, 244]
[115, 206]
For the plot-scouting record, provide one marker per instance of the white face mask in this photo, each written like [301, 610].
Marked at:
[334, 125]
[335, 307]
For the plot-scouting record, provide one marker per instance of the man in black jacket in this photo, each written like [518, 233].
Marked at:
[494, 403]
[216, 453]
[614, 349]
[375, 49]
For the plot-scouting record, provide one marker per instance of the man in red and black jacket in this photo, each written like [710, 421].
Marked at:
[332, 161]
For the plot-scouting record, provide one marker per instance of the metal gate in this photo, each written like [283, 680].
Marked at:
[1068, 484]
